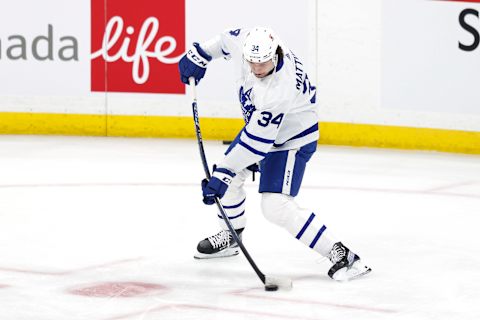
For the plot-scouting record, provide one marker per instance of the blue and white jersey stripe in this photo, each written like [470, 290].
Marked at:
[303, 138]
[312, 129]
[255, 144]
[254, 137]
[252, 150]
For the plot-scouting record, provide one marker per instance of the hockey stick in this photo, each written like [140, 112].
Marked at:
[271, 283]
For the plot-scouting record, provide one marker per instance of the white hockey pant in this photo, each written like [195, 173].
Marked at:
[280, 209]
[234, 201]
[304, 225]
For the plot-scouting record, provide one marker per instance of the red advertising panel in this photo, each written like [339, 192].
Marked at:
[136, 45]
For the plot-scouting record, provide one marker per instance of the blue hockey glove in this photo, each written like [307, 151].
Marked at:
[217, 186]
[193, 64]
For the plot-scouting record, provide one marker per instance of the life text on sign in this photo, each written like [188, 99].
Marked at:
[140, 57]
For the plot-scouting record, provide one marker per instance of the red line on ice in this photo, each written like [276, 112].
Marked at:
[69, 272]
[452, 185]
[473, 1]
[303, 301]
[211, 308]
[179, 184]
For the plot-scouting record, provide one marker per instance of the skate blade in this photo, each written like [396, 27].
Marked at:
[228, 252]
[357, 270]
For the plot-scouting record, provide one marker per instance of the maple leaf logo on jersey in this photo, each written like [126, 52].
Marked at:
[247, 105]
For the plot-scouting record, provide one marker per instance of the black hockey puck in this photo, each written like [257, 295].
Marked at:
[271, 287]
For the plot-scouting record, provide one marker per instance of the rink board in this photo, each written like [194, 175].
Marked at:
[226, 129]
[380, 82]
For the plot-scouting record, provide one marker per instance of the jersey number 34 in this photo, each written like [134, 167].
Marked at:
[268, 118]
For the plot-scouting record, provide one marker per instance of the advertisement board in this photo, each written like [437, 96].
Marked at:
[119, 57]
[137, 50]
[109, 67]
[431, 56]
[44, 49]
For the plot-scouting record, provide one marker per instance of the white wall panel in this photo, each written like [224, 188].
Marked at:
[384, 62]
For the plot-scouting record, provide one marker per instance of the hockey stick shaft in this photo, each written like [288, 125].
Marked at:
[198, 132]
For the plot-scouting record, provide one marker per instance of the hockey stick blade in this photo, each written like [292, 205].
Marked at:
[281, 282]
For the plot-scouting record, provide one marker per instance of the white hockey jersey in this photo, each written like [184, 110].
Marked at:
[279, 110]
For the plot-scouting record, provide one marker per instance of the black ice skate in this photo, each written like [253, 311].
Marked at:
[346, 264]
[218, 246]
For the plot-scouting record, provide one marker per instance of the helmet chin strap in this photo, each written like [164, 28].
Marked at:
[275, 63]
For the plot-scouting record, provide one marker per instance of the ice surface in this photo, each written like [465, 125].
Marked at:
[106, 228]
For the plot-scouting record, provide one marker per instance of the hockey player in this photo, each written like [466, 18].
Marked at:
[280, 133]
